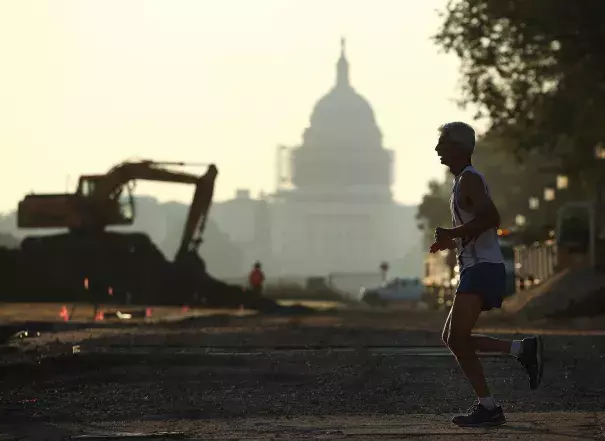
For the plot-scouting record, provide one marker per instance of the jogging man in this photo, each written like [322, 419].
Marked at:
[482, 276]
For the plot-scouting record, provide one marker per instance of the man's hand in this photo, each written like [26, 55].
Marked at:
[443, 245]
[443, 235]
[436, 247]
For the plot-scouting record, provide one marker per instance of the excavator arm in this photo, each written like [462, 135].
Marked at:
[111, 186]
[197, 215]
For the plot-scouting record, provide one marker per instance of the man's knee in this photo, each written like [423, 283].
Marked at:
[458, 341]
[465, 311]
[446, 328]
[445, 335]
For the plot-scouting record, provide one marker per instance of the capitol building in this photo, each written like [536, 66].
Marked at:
[333, 209]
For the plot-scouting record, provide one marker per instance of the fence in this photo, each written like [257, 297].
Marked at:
[535, 263]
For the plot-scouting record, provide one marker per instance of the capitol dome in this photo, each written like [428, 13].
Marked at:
[342, 118]
[342, 146]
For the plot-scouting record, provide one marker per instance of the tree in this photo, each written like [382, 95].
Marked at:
[434, 210]
[513, 183]
[537, 71]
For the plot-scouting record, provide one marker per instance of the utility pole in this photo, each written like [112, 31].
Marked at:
[597, 253]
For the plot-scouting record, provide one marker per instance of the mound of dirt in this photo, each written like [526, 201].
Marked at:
[519, 300]
[570, 293]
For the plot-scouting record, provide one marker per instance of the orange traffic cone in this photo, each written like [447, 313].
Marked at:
[100, 315]
[64, 314]
[148, 312]
[185, 308]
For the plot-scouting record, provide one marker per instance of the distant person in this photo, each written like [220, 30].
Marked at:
[482, 276]
[256, 278]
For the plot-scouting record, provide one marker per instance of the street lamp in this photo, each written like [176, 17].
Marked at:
[562, 182]
[599, 151]
[549, 194]
[384, 268]
[520, 220]
[534, 203]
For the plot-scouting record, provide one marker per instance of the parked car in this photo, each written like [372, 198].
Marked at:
[398, 289]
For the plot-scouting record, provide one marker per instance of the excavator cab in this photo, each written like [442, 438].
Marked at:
[120, 208]
[74, 210]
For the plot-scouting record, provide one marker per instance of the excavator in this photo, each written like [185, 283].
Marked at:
[101, 201]
[89, 262]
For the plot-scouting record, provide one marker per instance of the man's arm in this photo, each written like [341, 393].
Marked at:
[481, 205]
[447, 244]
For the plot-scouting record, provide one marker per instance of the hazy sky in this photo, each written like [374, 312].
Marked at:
[86, 84]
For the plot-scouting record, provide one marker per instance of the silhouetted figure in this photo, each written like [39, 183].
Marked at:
[256, 278]
[482, 285]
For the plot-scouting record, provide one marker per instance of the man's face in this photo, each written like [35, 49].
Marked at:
[449, 152]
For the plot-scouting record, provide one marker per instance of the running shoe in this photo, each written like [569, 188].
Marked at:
[480, 416]
[532, 360]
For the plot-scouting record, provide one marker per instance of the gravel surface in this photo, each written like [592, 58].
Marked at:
[283, 367]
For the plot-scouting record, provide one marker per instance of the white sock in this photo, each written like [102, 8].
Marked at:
[488, 402]
[515, 348]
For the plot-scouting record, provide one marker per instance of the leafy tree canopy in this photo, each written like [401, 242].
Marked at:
[536, 69]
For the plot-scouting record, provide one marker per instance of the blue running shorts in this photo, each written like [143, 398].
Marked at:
[488, 280]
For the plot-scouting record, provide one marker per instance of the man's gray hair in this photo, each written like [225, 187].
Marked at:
[460, 133]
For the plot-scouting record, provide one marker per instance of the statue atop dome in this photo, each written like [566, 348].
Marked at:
[342, 67]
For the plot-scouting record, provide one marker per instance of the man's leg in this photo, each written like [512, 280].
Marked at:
[527, 351]
[483, 343]
[463, 316]
[446, 328]
[490, 280]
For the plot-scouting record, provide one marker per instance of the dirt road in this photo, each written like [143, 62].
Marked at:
[332, 375]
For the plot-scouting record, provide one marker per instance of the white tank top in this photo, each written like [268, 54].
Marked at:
[483, 248]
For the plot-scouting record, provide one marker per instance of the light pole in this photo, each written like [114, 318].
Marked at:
[599, 154]
[384, 269]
